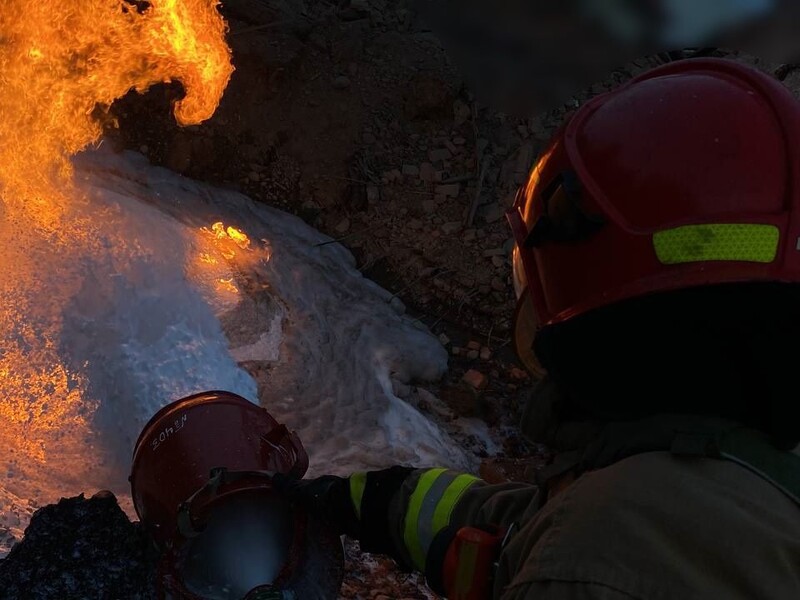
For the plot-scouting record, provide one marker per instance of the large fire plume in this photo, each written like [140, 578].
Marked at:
[62, 61]
[62, 65]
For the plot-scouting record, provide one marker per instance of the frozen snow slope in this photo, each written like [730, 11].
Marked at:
[150, 303]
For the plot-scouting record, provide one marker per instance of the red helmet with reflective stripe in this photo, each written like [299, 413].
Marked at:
[688, 175]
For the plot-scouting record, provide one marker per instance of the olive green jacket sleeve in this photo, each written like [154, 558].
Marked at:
[658, 527]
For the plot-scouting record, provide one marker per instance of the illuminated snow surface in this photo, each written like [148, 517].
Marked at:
[149, 305]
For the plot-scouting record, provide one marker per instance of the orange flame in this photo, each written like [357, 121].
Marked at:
[225, 241]
[62, 64]
[62, 61]
[225, 238]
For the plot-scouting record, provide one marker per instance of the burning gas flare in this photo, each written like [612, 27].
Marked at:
[62, 62]
[62, 65]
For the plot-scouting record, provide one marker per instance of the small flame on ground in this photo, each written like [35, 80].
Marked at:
[221, 232]
[228, 242]
[227, 285]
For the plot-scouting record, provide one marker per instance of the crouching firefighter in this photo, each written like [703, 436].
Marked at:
[657, 264]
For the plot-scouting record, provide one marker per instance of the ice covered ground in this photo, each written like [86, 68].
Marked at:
[138, 300]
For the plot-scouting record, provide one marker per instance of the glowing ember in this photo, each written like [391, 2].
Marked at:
[220, 232]
[228, 286]
[226, 241]
[63, 62]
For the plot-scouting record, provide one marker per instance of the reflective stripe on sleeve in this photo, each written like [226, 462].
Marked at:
[358, 481]
[430, 509]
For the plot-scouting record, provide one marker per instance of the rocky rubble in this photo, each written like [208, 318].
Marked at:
[80, 548]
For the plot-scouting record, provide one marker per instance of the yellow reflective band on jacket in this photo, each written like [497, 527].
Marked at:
[358, 481]
[747, 242]
[430, 509]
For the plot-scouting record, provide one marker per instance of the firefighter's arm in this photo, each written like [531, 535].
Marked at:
[446, 524]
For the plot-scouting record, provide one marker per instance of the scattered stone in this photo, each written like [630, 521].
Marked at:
[369, 139]
[427, 96]
[373, 194]
[456, 351]
[509, 199]
[254, 177]
[415, 224]
[393, 176]
[440, 198]
[343, 226]
[451, 227]
[467, 282]
[429, 206]
[472, 355]
[473, 345]
[450, 190]
[451, 147]
[459, 141]
[411, 170]
[427, 172]
[342, 82]
[524, 159]
[443, 339]
[439, 155]
[470, 235]
[493, 213]
[494, 252]
[463, 399]
[498, 284]
[486, 353]
[461, 112]
[439, 176]
[498, 261]
[476, 379]
[518, 374]
[144, 149]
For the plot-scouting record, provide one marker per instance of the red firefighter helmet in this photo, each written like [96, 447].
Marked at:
[688, 175]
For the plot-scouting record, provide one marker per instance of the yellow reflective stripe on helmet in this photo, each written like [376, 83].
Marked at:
[748, 242]
[444, 510]
[430, 508]
[358, 481]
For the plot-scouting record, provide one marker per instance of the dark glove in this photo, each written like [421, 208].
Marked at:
[327, 498]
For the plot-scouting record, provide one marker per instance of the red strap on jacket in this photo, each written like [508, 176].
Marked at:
[470, 563]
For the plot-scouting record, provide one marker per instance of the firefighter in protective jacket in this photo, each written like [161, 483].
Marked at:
[657, 263]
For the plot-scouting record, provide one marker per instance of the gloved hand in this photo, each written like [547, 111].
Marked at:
[326, 498]
[331, 500]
